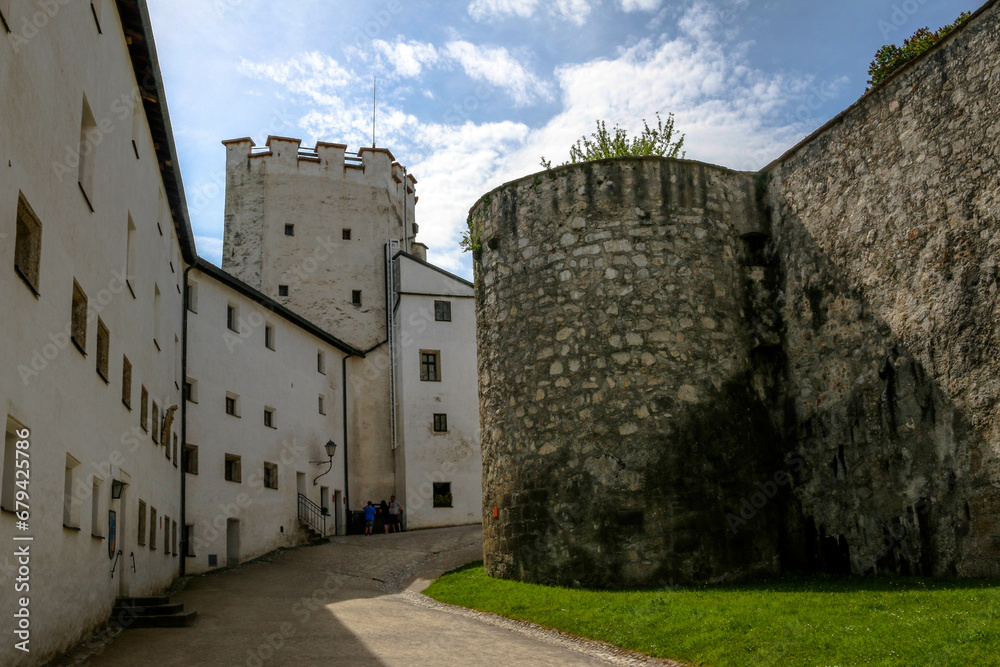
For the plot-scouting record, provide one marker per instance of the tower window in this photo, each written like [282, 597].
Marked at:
[289, 230]
[282, 290]
[356, 297]
[346, 234]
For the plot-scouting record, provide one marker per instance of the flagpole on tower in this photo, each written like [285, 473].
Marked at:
[374, 106]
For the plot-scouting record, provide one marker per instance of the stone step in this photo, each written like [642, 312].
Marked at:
[150, 610]
[144, 602]
[179, 620]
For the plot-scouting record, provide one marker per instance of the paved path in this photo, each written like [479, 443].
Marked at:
[353, 602]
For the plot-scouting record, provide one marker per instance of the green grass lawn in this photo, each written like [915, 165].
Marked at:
[817, 620]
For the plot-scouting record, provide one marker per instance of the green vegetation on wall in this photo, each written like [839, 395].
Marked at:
[890, 57]
[603, 144]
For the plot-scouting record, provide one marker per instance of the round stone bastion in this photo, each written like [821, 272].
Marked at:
[626, 428]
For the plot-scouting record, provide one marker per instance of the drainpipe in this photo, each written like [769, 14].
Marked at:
[347, 486]
[184, 407]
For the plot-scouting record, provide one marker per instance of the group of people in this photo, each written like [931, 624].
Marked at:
[390, 513]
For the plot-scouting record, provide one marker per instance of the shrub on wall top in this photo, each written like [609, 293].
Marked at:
[890, 57]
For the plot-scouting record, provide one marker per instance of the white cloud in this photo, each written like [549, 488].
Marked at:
[314, 75]
[574, 11]
[408, 58]
[733, 114]
[640, 5]
[210, 248]
[482, 10]
[497, 67]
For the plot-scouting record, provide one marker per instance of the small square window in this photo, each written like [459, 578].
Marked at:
[71, 505]
[232, 318]
[270, 475]
[28, 245]
[440, 423]
[191, 459]
[356, 297]
[233, 473]
[156, 423]
[187, 540]
[127, 382]
[142, 523]
[442, 311]
[430, 366]
[346, 234]
[269, 336]
[289, 230]
[79, 319]
[191, 296]
[282, 290]
[322, 404]
[144, 409]
[442, 494]
[191, 390]
[269, 417]
[232, 405]
[321, 362]
[152, 528]
[103, 349]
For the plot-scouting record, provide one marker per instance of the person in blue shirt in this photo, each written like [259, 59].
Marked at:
[369, 518]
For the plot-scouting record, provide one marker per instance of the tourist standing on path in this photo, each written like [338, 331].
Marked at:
[383, 510]
[369, 518]
[394, 511]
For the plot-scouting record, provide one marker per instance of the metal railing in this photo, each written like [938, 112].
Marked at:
[312, 515]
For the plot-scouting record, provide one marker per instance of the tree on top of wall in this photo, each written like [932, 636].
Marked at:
[658, 140]
[890, 57]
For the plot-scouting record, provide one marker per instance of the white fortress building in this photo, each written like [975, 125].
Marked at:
[164, 416]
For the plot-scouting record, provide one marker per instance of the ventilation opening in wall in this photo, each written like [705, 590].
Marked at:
[757, 249]
[213, 560]
[631, 519]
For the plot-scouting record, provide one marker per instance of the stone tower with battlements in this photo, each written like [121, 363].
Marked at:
[309, 227]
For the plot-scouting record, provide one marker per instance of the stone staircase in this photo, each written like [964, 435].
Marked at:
[150, 612]
[313, 536]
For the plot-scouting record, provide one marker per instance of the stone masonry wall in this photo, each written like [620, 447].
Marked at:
[886, 225]
[690, 374]
[620, 420]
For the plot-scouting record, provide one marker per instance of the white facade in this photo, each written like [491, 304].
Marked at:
[285, 386]
[67, 78]
[438, 453]
[318, 230]
[98, 345]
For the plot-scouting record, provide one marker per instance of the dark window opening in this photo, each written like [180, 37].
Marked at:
[442, 311]
[442, 494]
[440, 423]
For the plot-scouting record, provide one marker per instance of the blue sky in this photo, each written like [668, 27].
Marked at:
[473, 93]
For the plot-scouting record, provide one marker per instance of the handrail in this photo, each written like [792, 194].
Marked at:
[312, 514]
